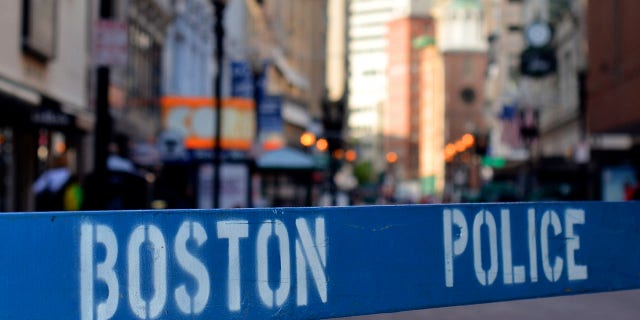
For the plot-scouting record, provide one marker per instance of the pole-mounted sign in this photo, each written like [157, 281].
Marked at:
[309, 263]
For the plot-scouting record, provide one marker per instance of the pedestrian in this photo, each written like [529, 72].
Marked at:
[57, 189]
[121, 187]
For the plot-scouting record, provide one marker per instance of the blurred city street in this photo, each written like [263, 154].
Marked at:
[232, 104]
[482, 107]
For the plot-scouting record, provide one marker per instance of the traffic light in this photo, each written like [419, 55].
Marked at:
[481, 143]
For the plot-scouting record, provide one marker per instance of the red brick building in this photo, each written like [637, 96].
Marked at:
[613, 85]
[464, 93]
[463, 47]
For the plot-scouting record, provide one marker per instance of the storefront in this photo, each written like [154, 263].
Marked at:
[32, 132]
[286, 177]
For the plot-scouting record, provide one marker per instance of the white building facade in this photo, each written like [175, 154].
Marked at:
[368, 69]
[188, 55]
[367, 76]
[44, 61]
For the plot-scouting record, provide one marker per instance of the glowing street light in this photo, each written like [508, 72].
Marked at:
[322, 145]
[450, 150]
[307, 139]
[338, 154]
[351, 155]
[392, 157]
[468, 140]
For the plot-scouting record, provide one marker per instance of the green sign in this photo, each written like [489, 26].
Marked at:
[423, 41]
[494, 162]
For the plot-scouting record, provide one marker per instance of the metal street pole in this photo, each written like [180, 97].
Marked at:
[218, 30]
[103, 118]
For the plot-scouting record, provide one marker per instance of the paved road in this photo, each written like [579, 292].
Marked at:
[622, 305]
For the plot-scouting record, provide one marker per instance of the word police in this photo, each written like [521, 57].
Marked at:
[538, 233]
[310, 259]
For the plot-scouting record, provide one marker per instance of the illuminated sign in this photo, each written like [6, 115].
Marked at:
[194, 118]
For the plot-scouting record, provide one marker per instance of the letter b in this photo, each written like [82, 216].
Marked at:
[104, 271]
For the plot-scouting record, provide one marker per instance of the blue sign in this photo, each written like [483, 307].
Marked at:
[241, 80]
[309, 263]
[270, 114]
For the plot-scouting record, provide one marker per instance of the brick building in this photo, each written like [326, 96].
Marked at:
[612, 95]
[462, 44]
[614, 67]
[401, 125]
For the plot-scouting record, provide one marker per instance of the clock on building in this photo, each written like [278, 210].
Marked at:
[538, 34]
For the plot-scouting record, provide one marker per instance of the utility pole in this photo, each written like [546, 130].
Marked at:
[103, 117]
[218, 31]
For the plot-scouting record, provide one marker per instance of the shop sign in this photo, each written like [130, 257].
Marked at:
[538, 62]
[110, 43]
[194, 118]
[52, 118]
[241, 80]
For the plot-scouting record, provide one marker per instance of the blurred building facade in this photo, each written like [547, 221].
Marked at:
[188, 50]
[401, 121]
[367, 75]
[290, 37]
[504, 23]
[536, 91]
[613, 67]
[384, 86]
[287, 53]
[136, 88]
[336, 58]
[612, 115]
[431, 117]
[44, 113]
[461, 39]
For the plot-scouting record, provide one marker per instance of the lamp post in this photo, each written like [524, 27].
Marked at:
[103, 117]
[218, 31]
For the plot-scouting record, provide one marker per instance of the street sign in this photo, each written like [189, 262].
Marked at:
[110, 43]
[241, 80]
[309, 263]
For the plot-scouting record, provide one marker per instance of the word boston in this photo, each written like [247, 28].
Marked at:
[309, 263]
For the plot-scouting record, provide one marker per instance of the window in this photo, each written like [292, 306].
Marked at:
[39, 28]
[515, 28]
[371, 72]
[467, 67]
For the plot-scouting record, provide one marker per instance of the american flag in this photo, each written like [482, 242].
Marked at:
[510, 126]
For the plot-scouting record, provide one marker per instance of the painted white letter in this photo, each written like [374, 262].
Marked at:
[313, 254]
[86, 271]
[104, 272]
[234, 231]
[266, 294]
[510, 273]
[550, 218]
[193, 266]
[533, 247]
[453, 247]
[159, 253]
[485, 278]
[571, 217]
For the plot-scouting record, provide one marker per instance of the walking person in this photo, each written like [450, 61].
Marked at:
[57, 189]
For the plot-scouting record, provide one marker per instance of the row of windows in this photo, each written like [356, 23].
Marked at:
[363, 130]
[382, 49]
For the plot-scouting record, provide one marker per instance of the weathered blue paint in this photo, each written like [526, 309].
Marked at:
[372, 259]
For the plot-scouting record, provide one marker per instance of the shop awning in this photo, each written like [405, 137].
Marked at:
[292, 76]
[286, 159]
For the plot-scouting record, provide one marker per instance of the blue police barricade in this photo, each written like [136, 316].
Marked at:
[309, 263]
